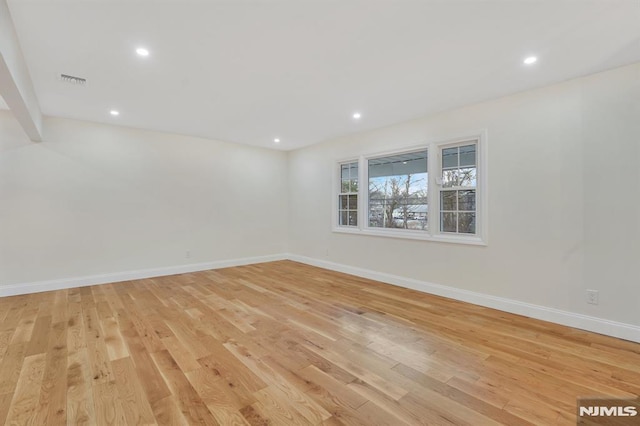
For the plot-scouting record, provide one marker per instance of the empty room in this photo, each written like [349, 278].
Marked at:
[319, 212]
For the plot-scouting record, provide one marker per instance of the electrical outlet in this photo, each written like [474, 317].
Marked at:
[592, 297]
[187, 254]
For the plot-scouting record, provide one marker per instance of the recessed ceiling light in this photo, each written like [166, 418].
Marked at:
[276, 140]
[141, 51]
[114, 112]
[530, 60]
[357, 115]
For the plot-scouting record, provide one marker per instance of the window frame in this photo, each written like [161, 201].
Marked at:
[440, 188]
[336, 192]
[390, 232]
[337, 210]
[434, 188]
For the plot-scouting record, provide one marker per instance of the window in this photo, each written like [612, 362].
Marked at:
[432, 192]
[458, 190]
[398, 191]
[348, 196]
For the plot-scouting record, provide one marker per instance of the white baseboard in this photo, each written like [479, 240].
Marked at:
[59, 284]
[584, 322]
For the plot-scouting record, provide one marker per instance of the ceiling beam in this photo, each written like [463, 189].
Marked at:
[15, 82]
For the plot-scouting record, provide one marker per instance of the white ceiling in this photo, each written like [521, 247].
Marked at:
[249, 71]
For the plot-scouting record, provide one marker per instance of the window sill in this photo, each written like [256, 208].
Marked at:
[347, 230]
[413, 235]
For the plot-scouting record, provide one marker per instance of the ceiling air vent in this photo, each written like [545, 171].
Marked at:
[70, 79]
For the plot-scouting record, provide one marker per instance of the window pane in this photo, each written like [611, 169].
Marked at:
[354, 171]
[398, 191]
[353, 202]
[344, 174]
[348, 198]
[344, 218]
[458, 192]
[344, 200]
[376, 207]
[398, 165]
[375, 220]
[449, 178]
[467, 223]
[450, 157]
[468, 155]
[466, 201]
[353, 218]
[448, 222]
[448, 200]
[467, 177]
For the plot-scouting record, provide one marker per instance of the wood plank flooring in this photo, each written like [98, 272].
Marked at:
[283, 343]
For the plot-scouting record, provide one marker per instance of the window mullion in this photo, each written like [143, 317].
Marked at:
[433, 194]
[363, 194]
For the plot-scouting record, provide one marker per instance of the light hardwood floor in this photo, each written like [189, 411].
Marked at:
[283, 343]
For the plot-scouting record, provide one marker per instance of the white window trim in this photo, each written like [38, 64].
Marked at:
[433, 198]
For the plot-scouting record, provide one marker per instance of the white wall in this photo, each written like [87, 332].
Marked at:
[95, 199]
[564, 199]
